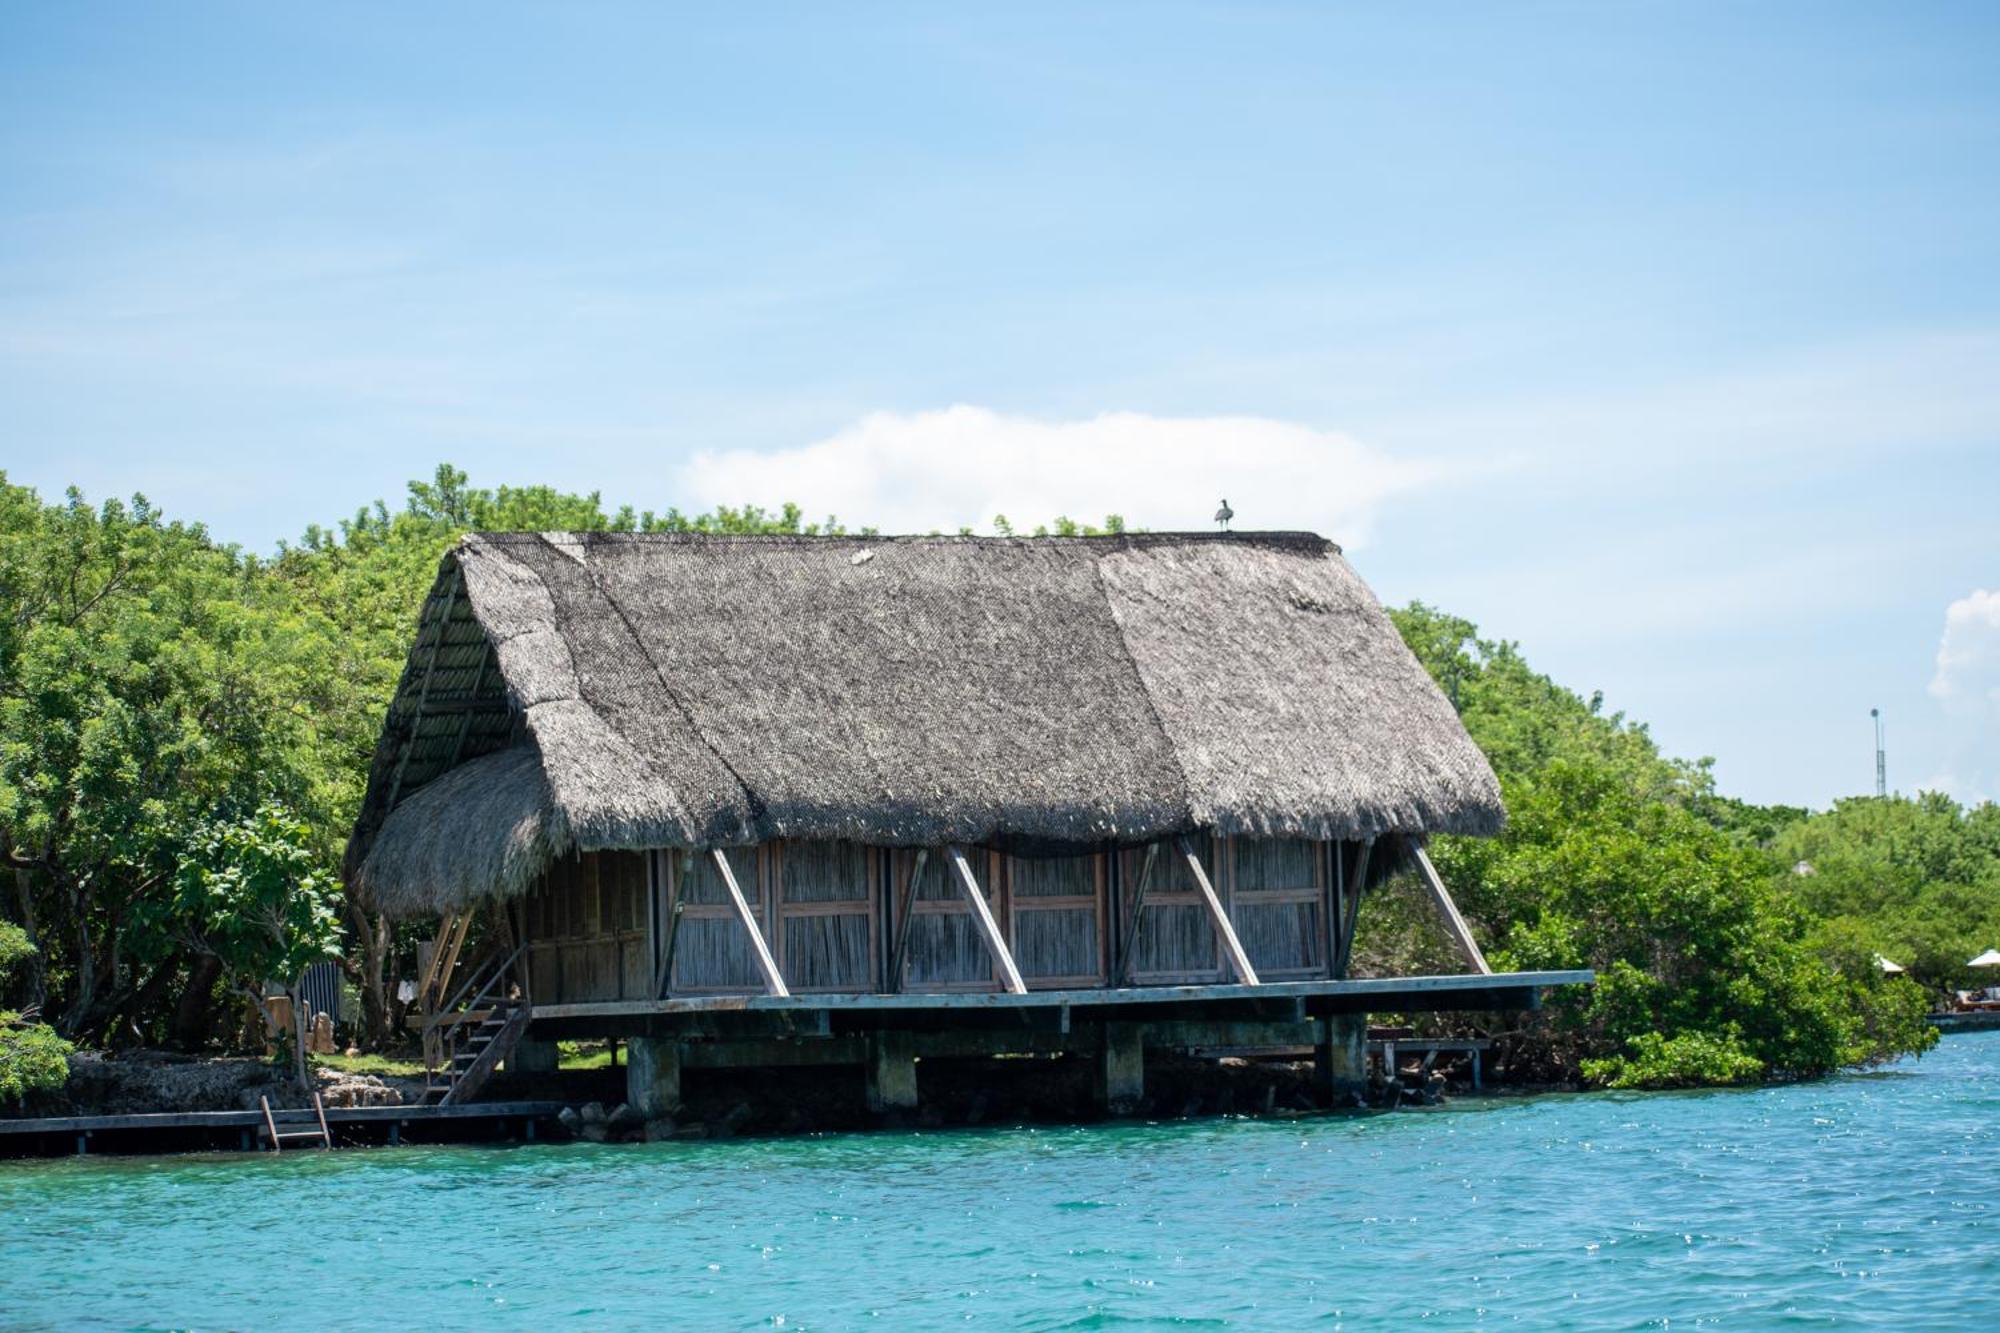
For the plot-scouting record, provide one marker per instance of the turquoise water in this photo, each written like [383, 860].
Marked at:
[1870, 1199]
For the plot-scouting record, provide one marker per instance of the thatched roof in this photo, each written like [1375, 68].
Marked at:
[628, 691]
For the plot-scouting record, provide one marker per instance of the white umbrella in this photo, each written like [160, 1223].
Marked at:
[1991, 958]
[1890, 968]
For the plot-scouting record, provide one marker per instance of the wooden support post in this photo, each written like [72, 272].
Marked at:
[774, 982]
[1120, 1072]
[653, 1076]
[1356, 882]
[1336, 918]
[534, 1057]
[1131, 933]
[989, 930]
[899, 962]
[892, 1071]
[1454, 924]
[1340, 1059]
[1225, 933]
[663, 979]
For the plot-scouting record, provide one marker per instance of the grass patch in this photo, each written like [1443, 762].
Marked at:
[382, 1066]
[583, 1055]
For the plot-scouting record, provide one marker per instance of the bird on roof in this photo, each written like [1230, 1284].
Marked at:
[1223, 515]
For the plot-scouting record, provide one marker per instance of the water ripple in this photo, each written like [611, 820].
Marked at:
[1867, 1200]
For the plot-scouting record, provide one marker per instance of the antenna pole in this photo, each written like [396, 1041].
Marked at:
[1881, 761]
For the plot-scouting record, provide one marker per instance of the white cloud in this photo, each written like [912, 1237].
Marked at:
[918, 471]
[1968, 656]
[1967, 683]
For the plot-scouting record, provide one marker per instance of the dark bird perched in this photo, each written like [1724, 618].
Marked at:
[1223, 515]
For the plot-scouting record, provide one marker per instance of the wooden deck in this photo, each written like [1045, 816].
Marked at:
[181, 1130]
[820, 1014]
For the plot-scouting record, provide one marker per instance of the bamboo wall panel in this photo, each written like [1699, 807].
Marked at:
[586, 929]
[1280, 937]
[945, 950]
[1277, 893]
[828, 952]
[828, 907]
[816, 872]
[1056, 922]
[1053, 877]
[1275, 863]
[1176, 941]
[713, 953]
[1058, 944]
[1176, 937]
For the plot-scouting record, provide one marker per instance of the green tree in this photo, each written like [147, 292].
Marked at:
[254, 894]
[1618, 858]
[32, 1057]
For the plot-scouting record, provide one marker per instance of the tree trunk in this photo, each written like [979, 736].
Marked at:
[371, 933]
[136, 1002]
[85, 996]
[34, 972]
[193, 1013]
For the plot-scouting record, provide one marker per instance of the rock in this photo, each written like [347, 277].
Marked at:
[570, 1120]
[594, 1131]
[662, 1129]
[624, 1117]
[593, 1113]
[359, 1090]
[690, 1132]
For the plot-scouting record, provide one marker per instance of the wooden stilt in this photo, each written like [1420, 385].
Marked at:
[892, 1071]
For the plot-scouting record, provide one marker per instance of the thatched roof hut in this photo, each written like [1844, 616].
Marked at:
[605, 691]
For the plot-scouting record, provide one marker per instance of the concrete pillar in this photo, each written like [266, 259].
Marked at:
[1121, 1068]
[533, 1057]
[1340, 1059]
[653, 1076]
[892, 1071]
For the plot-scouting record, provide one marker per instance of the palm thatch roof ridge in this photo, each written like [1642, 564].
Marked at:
[681, 690]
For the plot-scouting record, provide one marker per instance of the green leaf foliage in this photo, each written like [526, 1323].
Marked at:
[1711, 967]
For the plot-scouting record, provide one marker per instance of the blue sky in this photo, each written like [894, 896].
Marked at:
[1663, 338]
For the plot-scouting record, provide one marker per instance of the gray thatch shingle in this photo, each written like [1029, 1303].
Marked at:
[694, 691]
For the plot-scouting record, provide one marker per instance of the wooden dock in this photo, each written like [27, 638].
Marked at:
[350, 1126]
[820, 1014]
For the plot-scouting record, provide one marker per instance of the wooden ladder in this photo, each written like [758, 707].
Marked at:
[275, 1138]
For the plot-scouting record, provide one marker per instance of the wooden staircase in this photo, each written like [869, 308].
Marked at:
[466, 1039]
